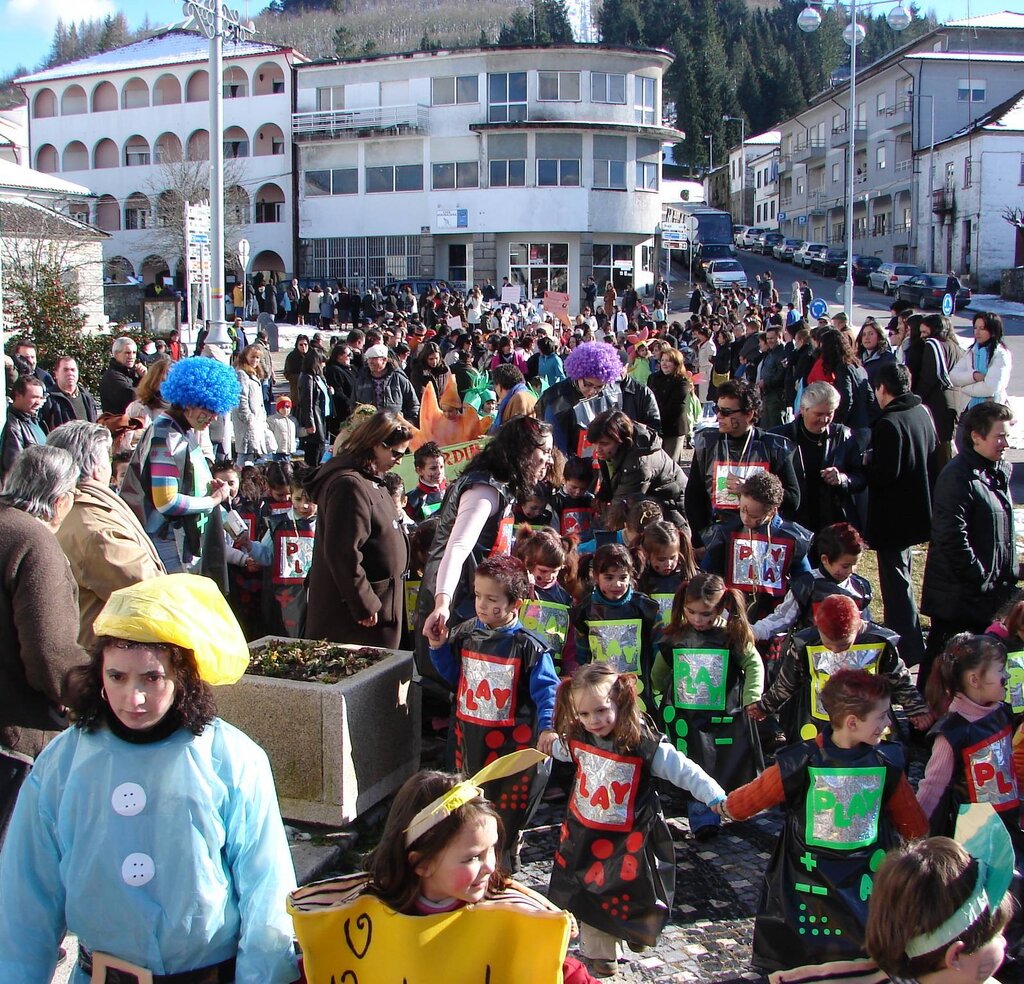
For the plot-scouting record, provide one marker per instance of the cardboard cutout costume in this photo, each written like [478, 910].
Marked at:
[615, 863]
[443, 430]
[814, 901]
[284, 581]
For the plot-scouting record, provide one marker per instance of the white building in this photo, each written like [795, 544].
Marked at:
[979, 173]
[132, 123]
[540, 164]
[14, 135]
[743, 178]
[764, 176]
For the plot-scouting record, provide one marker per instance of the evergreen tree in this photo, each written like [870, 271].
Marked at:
[546, 22]
[621, 22]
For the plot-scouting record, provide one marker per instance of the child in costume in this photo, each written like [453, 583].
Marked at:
[615, 864]
[280, 476]
[535, 511]
[425, 500]
[574, 504]
[939, 906]
[1009, 627]
[839, 639]
[846, 799]
[505, 687]
[840, 547]
[549, 560]
[614, 623]
[666, 561]
[754, 550]
[707, 670]
[285, 554]
[439, 855]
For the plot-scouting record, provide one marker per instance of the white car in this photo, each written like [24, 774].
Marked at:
[725, 273]
[738, 232]
[750, 236]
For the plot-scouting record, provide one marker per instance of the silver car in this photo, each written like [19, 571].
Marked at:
[889, 276]
[726, 273]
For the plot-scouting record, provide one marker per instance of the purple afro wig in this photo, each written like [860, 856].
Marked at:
[201, 382]
[594, 360]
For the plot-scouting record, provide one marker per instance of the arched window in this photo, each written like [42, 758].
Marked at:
[108, 214]
[167, 149]
[135, 94]
[105, 154]
[47, 160]
[236, 143]
[44, 105]
[270, 204]
[266, 262]
[167, 91]
[137, 212]
[197, 89]
[236, 83]
[268, 80]
[199, 146]
[154, 269]
[237, 205]
[76, 156]
[118, 270]
[73, 101]
[269, 140]
[136, 151]
[104, 98]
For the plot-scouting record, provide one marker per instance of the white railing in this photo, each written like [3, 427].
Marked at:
[904, 167]
[325, 124]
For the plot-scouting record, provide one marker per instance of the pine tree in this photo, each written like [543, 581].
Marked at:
[621, 22]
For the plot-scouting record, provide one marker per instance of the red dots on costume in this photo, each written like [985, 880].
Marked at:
[635, 841]
[630, 868]
[494, 739]
[602, 849]
[522, 733]
[595, 875]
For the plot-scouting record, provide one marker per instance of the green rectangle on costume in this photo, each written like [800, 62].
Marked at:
[548, 619]
[699, 679]
[1015, 683]
[843, 807]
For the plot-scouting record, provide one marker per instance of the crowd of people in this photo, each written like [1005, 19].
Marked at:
[647, 571]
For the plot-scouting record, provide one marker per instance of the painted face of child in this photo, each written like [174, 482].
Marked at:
[231, 477]
[431, 472]
[493, 605]
[701, 614]
[614, 583]
[544, 576]
[665, 561]
[575, 488]
[303, 506]
[990, 687]
[842, 567]
[462, 870]
[869, 730]
[596, 709]
[754, 513]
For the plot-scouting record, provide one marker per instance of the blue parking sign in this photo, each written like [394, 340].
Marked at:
[818, 308]
[947, 304]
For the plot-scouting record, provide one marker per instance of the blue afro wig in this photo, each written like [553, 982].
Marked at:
[594, 360]
[199, 382]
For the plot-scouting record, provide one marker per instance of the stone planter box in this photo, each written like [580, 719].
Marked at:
[335, 749]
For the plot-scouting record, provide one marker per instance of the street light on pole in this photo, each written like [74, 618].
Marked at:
[215, 20]
[809, 20]
[743, 163]
[710, 137]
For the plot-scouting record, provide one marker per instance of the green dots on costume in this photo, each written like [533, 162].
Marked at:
[876, 860]
[668, 713]
[808, 732]
[682, 728]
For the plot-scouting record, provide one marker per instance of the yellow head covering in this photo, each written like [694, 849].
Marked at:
[183, 610]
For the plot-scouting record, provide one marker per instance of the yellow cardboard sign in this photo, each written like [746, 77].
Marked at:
[359, 940]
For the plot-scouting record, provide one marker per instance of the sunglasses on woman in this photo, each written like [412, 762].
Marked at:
[395, 453]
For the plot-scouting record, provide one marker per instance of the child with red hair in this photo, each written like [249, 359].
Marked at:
[840, 639]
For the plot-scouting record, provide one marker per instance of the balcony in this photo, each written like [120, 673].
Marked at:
[902, 114]
[343, 124]
[816, 202]
[943, 200]
[785, 164]
[904, 168]
[841, 135]
[812, 150]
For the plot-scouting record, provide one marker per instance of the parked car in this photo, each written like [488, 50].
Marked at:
[802, 257]
[750, 237]
[863, 266]
[738, 232]
[767, 242]
[725, 273]
[784, 250]
[890, 275]
[927, 290]
[825, 262]
[706, 252]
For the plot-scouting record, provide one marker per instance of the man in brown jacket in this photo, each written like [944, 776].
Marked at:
[38, 612]
[104, 542]
[515, 398]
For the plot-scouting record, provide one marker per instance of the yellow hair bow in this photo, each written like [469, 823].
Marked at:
[468, 790]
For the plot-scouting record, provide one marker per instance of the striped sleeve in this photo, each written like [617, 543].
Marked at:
[165, 475]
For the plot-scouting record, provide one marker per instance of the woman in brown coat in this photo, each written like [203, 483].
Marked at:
[361, 551]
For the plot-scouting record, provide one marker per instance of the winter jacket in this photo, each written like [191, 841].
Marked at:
[934, 386]
[997, 377]
[117, 387]
[20, 431]
[643, 468]
[314, 406]
[341, 380]
[669, 393]
[972, 568]
[855, 397]
[249, 418]
[420, 375]
[899, 494]
[398, 394]
[58, 409]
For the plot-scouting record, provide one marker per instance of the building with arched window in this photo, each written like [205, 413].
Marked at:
[129, 124]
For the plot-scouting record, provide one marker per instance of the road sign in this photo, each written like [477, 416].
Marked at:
[783, 216]
[947, 305]
[243, 254]
[818, 308]
[801, 220]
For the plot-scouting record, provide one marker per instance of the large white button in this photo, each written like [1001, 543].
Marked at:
[128, 799]
[137, 870]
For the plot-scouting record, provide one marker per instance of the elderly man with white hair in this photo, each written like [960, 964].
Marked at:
[104, 542]
[827, 460]
[117, 385]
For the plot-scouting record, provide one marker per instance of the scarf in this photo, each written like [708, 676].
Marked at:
[518, 388]
[981, 360]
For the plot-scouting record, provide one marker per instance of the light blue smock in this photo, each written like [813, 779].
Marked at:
[171, 855]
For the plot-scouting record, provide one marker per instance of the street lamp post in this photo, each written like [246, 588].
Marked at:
[810, 20]
[214, 19]
[743, 163]
[710, 137]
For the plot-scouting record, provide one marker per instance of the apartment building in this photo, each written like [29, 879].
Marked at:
[907, 104]
[132, 125]
[540, 164]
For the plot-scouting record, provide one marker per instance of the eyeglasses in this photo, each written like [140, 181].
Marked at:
[395, 453]
[726, 412]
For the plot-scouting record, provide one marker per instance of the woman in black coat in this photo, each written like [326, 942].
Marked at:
[672, 388]
[340, 377]
[314, 406]
[428, 367]
[633, 464]
[939, 352]
[361, 552]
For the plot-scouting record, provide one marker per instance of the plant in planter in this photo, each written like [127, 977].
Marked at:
[340, 723]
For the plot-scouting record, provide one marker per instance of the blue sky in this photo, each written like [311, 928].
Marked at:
[28, 24]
